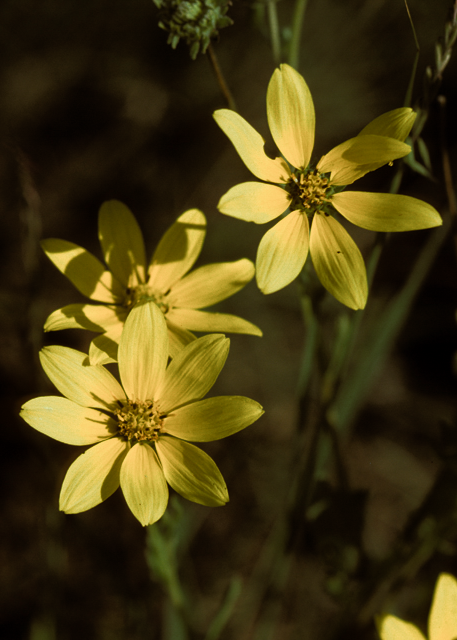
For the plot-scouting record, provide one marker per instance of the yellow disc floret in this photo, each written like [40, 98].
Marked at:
[308, 191]
[145, 292]
[139, 420]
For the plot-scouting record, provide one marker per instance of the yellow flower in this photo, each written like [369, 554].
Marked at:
[128, 279]
[313, 191]
[139, 430]
[442, 621]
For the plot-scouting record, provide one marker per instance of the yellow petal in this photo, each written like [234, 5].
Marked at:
[354, 158]
[178, 337]
[393, 124]
[386, 211]
[338, 262]
[143, 351]
[93, 477]
[85, 316]
[442, 622]
[122, 243]
[103, 349]
[291, 117]
[191, 472]
[212, 418]
[88, 386]
[83, 270]
[204, 321]
[143, 484]
[250, 147]
[210, 284]
[254, 202]
[66, 421]
[178, 250]
[282, 252]
[392, 628]
[193, 371]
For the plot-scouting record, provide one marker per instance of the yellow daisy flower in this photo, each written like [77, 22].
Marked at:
[442, 621]
[140, 429]
[180, 295]
[312, 192]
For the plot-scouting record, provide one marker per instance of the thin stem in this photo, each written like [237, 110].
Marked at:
[354, 389]
[409, 91]
[297, 27]
[274, 30]
[220, 78]
[447, 172]
[311, 341]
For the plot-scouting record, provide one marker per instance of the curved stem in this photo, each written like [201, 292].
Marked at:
[220, 78]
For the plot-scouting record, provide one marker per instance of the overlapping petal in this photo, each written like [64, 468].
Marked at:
[197, 320]
[282, 252]
[250, 147]
[177, 251]
[254, 202]
[178, 336]
[212, 418]
[63, 420]
[143, 351]
[104, 348]
[193, 371]
[85, 316]
[87, 385]
[442, 622]
[386, 211]
[210, 284]
[143, 484]
[338, 262]
[93, 476]
[83, 270]
[352, 159]
[291, 118]
[393, 124]
[122, 243]
[191, 472]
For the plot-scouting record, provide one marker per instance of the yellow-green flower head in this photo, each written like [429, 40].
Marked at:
[139, 429]
[313, 192]
[442, 621]
[195, 21]
[128, 279]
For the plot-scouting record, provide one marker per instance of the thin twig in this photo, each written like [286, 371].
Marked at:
[409, 91]
[447, 172]
[220, 78]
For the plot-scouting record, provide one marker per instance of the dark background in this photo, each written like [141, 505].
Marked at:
[94, 105]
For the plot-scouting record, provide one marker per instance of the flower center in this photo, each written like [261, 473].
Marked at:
[139, 420]
[308, 191]
[145, 292]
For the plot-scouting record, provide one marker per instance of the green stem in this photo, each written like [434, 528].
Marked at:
[377, 347]
[274, 31]
[409, 91]
[311, 341]
[297, 27]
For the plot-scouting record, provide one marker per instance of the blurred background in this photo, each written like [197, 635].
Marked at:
[95, 105]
